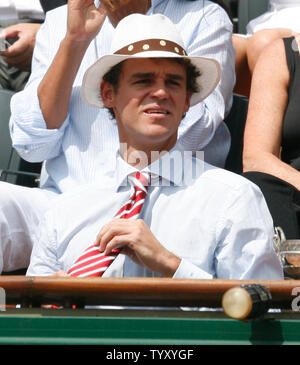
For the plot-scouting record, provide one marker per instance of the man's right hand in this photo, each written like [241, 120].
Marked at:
[84, 20]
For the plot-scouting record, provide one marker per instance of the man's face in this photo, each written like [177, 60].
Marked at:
[149, 102]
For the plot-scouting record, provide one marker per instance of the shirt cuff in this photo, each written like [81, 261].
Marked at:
[187, 270]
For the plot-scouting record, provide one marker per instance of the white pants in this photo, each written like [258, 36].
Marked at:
[279, 18]
[21, 209]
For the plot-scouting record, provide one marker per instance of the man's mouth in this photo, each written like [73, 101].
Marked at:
[157, 111]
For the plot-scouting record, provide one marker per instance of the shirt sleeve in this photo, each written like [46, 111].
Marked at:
[187, 270]
[30, 136]
[212, 38]
[245, 238]
[43, 260]
[244, 241]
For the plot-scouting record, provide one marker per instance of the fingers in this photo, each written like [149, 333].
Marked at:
[13, 31]
[21, 30]
[113, 235]
[84, 20]
[4, 35]
[119, 233]
[9, 33]
[125, 234]
[116, 243]
[17, 48]
[18, 55]
[139, 243]
[134, 234]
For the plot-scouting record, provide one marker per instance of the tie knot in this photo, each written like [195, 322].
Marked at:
[140, 179]
[144, 178]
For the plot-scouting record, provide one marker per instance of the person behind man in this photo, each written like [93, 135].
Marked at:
[19, 22]
[271, 156]
[50, 121]
[223, 227]
[26, 34]
[23, 20]
[279, 21]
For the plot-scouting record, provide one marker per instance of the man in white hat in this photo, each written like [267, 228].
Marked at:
[51, 122]
[147, 219]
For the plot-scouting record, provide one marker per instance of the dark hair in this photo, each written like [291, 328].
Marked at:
[192, 73]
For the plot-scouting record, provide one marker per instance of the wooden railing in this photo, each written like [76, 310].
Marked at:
[67, 291]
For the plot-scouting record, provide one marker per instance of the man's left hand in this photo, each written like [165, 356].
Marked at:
[137, 241]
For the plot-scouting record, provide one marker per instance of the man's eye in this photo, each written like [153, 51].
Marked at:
[174, 82]
[143, 81]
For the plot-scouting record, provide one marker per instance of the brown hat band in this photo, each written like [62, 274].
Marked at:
[152, 45]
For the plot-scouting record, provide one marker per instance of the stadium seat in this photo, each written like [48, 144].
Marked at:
[8, 159]
[13, 169]
[248, 10]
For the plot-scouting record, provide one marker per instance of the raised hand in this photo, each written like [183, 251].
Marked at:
[84, 20]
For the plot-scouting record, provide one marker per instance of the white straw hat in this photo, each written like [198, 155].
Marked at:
[145, 36]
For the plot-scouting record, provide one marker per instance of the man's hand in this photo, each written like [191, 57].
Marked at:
[84, 20]
[19, 54]
[119, 9]
[137, 241]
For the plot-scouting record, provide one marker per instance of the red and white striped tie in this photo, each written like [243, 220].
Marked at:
[93, 262]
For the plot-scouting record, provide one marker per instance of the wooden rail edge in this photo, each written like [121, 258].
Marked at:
[163, 292]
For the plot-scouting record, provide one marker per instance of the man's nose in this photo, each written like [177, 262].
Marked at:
[160, 90]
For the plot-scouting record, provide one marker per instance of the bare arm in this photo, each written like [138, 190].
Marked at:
[267, 105]
[84, 22]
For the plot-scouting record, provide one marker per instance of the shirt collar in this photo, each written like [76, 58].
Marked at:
[169, 167]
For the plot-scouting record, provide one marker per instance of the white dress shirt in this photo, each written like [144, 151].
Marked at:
[76, 152]
[281, 14]
[21, 9]
[217, 222]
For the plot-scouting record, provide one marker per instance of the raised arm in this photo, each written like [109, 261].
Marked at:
[84, 22]
[268, 101]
